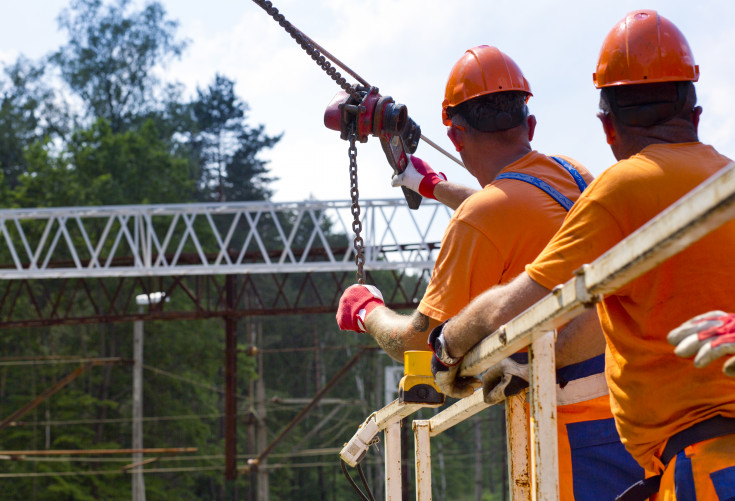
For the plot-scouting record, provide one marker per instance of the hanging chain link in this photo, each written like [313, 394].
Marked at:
[335, 75]
[355, 196]
[312, 51]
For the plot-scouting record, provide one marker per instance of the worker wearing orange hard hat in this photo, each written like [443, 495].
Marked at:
[491, 236]
[676, 420]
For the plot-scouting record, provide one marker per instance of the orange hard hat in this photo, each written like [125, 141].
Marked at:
[482, 70]
[644, 47]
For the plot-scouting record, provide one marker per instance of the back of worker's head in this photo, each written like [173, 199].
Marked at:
[487, 89]
[646, 71]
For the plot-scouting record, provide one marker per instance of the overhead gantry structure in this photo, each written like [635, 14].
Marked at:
[85, 265]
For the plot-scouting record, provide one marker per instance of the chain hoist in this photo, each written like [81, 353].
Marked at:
[359, 112]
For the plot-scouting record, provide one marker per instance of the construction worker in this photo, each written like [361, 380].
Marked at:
[676, 420]
[491, 236]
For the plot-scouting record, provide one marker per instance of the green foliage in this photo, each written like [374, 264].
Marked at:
[110, 55]
[28, 112]
[226, 147]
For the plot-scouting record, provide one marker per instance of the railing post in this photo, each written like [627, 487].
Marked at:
[392, 436]
[422, 456]
[516, 426]
[544, 451]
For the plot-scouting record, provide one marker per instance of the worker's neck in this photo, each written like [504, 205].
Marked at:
[495, 159]
[632, 141]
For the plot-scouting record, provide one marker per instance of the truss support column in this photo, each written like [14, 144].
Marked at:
[230, 381]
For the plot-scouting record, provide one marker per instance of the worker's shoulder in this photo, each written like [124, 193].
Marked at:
[496, 202]
[550, 166]
[575, 164]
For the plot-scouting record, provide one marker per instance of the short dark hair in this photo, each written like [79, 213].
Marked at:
[646, 105]
[493, 112]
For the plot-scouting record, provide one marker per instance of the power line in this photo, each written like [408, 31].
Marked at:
[187, 458]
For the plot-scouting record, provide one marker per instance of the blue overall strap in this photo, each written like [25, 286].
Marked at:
[542, 185]
[575, 174]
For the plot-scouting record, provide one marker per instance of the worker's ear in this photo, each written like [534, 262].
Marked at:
[531, 120]
[696, 113]
[455, 136]
[608, 127]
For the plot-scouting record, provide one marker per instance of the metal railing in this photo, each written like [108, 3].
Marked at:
[536, 477]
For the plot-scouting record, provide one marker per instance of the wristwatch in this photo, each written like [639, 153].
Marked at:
[439, 347]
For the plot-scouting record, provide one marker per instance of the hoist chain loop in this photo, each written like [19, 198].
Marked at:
[312, 51]
[355, 196]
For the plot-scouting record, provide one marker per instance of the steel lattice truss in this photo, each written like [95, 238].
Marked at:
[215, 239]
[232, 259]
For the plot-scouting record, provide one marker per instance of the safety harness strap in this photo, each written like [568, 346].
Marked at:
[542, 185]
[581, 183]
[546, 187]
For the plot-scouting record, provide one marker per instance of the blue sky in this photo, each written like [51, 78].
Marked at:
[406, 48]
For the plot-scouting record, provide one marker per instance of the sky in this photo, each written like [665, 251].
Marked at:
[406, 48]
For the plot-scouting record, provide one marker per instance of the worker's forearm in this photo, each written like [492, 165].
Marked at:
[452, 194]
[488, 311]
[396, 333]
[580, 340]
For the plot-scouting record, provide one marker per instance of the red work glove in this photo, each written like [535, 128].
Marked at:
[710, 335]
[419, 177]
[355, 304]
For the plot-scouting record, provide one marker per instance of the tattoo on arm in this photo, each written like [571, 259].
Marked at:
[420, 322]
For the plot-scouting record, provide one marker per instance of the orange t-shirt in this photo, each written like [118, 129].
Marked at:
[654, 393]
[496, 232]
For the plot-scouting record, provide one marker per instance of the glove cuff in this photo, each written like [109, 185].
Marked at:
[362, 313]
[438, 346]
[428, 183]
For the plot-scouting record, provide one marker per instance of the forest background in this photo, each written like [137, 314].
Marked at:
[91, 124]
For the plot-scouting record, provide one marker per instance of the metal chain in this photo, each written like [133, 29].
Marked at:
[335, 75]
[355, 196]
[305, 44]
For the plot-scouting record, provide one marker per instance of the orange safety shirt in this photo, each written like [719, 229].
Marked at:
[654, 393]
[489, 240]
[496, 232]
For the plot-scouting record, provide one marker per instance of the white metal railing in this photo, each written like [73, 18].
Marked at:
[216, 238]
[704, 209]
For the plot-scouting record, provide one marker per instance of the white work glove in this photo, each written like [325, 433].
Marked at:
[710, 335]
[503, 380]
[418, 176]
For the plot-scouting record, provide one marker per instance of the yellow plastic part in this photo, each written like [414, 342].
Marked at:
[417, 363]
[417, 385]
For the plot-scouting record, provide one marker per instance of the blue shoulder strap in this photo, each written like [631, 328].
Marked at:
[575, 174]
[546, 187]
[543, 185]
